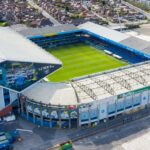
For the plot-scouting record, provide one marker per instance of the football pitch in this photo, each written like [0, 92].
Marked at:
[81, 59]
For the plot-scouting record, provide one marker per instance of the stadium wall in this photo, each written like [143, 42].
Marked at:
[87, 113]
[16, 76]
[7, 98]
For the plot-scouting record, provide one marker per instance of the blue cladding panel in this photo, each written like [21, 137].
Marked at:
[94, 114]
[69, 32]
[111, 109]
[120, 106]
[42, 123]
[84, 116]
[128, 103]
[136, 101]
[6, 97]
[34, 37]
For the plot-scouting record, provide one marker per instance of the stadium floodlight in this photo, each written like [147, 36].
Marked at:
[119, 18]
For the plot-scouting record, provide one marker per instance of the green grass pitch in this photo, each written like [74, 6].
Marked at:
[81, 59]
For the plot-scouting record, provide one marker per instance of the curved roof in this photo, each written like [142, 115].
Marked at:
[14, 47]
[52, 93]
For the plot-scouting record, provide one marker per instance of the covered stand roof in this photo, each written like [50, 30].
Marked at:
[52, 93]
[14, 47]
[93, 87]
[134, 40]
[47, 30]
[104, 31]
[110, 83]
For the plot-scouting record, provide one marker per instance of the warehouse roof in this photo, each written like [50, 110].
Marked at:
[104, 31]
[111, 83]
[47, 30]
[52, 93]
[14, 47]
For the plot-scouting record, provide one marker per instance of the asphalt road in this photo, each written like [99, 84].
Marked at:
[53, 20]
[125, 137]
[113, 139]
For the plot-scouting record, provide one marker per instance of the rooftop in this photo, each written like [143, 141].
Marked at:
[47, 30]
[104, 31]
[99, 86]
[49, 93]
[103, 85]
[138, 40]
[15, 47]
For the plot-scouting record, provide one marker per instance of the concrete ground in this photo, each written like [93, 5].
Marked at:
[41, 138]
[144, 29]
[142, 33]
[131, 136]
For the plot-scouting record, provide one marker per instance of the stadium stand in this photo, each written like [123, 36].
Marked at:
[84, 100]
[54, 40]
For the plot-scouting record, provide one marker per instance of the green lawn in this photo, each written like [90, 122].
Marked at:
[81, 59]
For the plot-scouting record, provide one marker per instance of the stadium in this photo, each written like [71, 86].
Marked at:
[93, 75]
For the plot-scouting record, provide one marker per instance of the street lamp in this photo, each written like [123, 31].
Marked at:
[119, 19]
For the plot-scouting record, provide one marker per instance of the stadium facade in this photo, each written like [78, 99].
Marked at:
[22, 64]
[84, 100]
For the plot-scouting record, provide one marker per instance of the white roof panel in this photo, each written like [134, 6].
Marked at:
[100, 86]
[49, 93]
[104, 31]
[14, 47]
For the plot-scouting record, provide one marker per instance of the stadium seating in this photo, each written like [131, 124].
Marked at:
[63, 39]
[127, 56]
